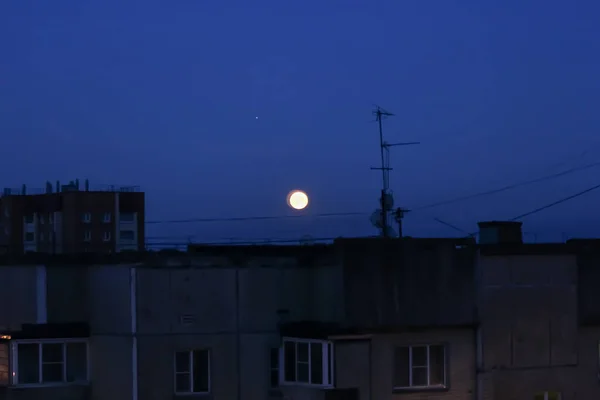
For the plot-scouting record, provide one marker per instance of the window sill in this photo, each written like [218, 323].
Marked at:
[47, 385]
[192, 395]
[306, 385]
[421, 389]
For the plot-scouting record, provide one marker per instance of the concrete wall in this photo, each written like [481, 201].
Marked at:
[368, 364]
[210, 303]
[528, 312]
[413, 282]
[18, 296]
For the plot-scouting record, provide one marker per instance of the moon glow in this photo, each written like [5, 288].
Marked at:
[297, 199]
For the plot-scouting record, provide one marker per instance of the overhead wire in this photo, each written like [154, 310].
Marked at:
[256, 218]
[346, 214]
[554, 203]
[508, 187]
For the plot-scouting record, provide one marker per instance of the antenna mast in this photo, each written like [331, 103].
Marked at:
[381, 217]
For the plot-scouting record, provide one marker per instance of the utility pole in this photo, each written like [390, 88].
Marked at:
[386, 200]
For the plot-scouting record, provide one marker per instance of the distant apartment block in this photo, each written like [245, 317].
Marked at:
[69, 219]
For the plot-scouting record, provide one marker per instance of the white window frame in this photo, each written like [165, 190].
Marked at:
[87, 236]
[328, 359]
[106, 237]
[106, 218]
[190, 354]
[14, 361]
[428, 366]
[87, 217]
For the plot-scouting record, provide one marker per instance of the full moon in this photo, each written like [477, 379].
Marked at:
[297, 199]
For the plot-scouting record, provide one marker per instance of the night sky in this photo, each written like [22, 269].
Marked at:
[166, 95]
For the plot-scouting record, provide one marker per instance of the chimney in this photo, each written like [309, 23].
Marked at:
[500, 232]
[87, 185]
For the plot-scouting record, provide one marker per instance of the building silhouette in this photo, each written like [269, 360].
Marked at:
[70, 219]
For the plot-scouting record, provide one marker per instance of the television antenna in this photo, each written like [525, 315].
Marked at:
[380, 217]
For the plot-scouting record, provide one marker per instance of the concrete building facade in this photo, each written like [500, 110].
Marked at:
[362, 319]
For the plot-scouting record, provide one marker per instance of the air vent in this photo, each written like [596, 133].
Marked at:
[187, 319]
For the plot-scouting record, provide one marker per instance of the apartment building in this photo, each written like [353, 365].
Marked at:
[70, 219]
[362, 319]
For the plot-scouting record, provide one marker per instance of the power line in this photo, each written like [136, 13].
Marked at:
[346, 214]
[255, 218]
[556, 203]
[508, 187]
[545, 207]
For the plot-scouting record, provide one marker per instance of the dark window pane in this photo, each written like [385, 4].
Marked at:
[289, 361]
[77, 362]
[201, 371]
[316, 363]
[274, 378]
[52, 352]
[182, 383]
[436, 365]
[419, 376]
[302, 372]
[302, 352]
[52, 372]
[28, 363]
[401, 367]
[274, 358]
[419, 356]
[182, 361]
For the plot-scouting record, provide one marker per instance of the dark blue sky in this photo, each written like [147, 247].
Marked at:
[166, 94]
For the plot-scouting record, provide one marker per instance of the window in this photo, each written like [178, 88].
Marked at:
[548, 396]
[192, 371]
[274, 368]
[87, 218]
[4, 364]
[29, 219]
[42, 219]
[307, 362]
[420, 366]
[50, 218]
[127, 235]
[50, 362]
[106, 236]
[106, 217]
[127, 217]
[29, 237]
[87, 236]
[42, 237]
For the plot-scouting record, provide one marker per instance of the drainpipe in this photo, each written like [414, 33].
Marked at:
[134, 349]
[478, 395]
[238, 339]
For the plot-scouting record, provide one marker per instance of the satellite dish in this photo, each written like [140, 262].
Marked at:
[307, 240]
[376, 218]
[388, 201]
